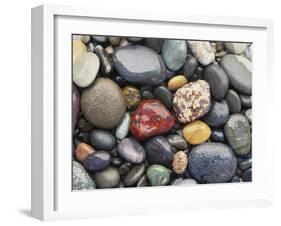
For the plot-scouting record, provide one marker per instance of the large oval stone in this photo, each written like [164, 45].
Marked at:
[108, 178]
[103, 103]
[81, 180]
[239, 71]
[212, 163]
[192, 101]
[97, 161]
[174, 53]
[159, 151]
[131, 150]
[238, 134]
[75, 104]
[139, 65]
[102, 139]
[149, 119]
[218, 114]
[202, 51]
[158, 175]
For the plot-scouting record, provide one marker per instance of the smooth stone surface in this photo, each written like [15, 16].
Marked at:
[217, 135]
[85, 69]
[174, 53]
[90, 47]
[202, 51]
[81, 180]
[116, 161]
[102, 139]
[239, 71]
[177, 141]
[134, 175]
[132, 96]
[177, 82]
[187, 182]
[233, 101]
[100, 39]
[78, 48]
[131, 150]
[180, 162]
[192, 101]
[243, 165]
[108, 178]
[218, 81]
[75, 104]
[122, 129]
[212, 163]
[238, 134]
[190, 66]
[159, 151]
[124, 168]
[97, 161]
[114, 40]
[139, 65]
[85, 39]
[143, 182]
[196, 132]
[246, 101]
[164, 95]
[82, 151]
[158, 175]
[146, 94]
[103, 103]
[154, 43]
[105, 60]
[235, 48]
[247, 175]
[149, 119]
[218, 114]
[248, 114]
[134, 39]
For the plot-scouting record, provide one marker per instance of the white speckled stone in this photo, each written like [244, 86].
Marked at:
[202, 51]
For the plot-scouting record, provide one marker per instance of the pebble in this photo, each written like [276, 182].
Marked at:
[187, 182]
[75, 104]
[85, 69]
[246, 101]
[114, 40]
[131, 150]
[236, 179]
[109, 50]
[116, 161]
[154, 43]
[174, 53]
[83, 124]
[238, 134]
[247, 175]
[245, 164]
[82, 151]
[132, 96]
[120, 81]
[81, 180]
[78, 48]
[180, 162]
[192, 101]
[233, 101]
[248, 52]
[146, 94]
[164, 95]
[177, 82]
[212, 163]
[134, 39]
[122, 129]
[124, 168]
[143, 182]
[151, 70]
[202, 51]
[105, 60]
[158, 175]
[190, 66]
[159, 151]
[177, 141]
[99, 39]
[134, 175]
[196, 132]
[149, 119]
[218, 114]
[102, 139]
[239, 71]
[97, 161]
[85, 39]
[248, 114]
[217, 135]
[90, 47]
[235, 48]
[103, 103]
[108, 178]
[124, 42]
[218, 81]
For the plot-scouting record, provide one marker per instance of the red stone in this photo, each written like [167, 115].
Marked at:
[149, 119]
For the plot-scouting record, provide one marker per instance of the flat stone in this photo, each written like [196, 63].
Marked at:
[134, 175]
[102, 139]
[132, 96]
[190, 66]
[75, 105]
[235, 48]
[158, 175]
[233, 101]
[122, 129]
[202, 51]
[177, 141]
[108, 178]
[196, 132]
[164, 95]
[81, 180]
[218, 114]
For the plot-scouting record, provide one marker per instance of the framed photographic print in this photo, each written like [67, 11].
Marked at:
[134, 112]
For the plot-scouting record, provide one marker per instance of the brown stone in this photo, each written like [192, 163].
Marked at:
[82, 151]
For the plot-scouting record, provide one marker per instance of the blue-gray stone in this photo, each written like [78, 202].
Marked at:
[102, 139]
[80, 178]
[233, 101]
[246, 101]
[218, 114]
[190, 66]
[164, 95]
[212, 163]
[154, 43]
[217, 135]
[123, 127]
[97, 161]
[247, 175]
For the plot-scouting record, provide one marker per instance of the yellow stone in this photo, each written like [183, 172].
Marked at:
[177, 82]
[78, 47]
[196, 132]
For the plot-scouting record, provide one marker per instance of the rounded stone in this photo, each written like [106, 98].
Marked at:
[180, 162]
[196, 132]
[139, 65]
[143, 182]
[238, 134]
[78, 47]
[108, 178]
[218, 81]
[82, 151]
[247, 175]
[106, 64]
[190, 66]
[248, 114]
[217, 135]
[131, 150]
[187, 182]
[154, 43]
[239, 71]
[114, 40]
[174, 53]
[99, 39]
[116, 161]
[85, 69]
[75, 104]
[81, 180]
[218, 114]
[134, 175]
[123, 127]
[202, 51]
[246, 101]
[235, 48]
[103, 103]
[85, 39]
[177, 141]
[132, 96]
[233, 101]
[124, 168]
[212, 163]
[159, 151]
[177, 82]
[164, 95]
[97, 161]
[134, 39]
[192, 101]
[158, 175]
[102, 139]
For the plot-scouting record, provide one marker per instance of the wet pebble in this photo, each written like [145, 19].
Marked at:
[180, 162]
[82, 151]
[134, 175]
[154, 43]
[81, 180]
[177, 82]
[233, 101]
[78, 48]
[177, 141]
[217, 135]
[247, 175]
[102, 139]
[248, 114]
[132, 96]
[218, 114]
[246, 101]
[196, 132]
[235, 48]
[190, 66]
[105, 60]
[202, 51]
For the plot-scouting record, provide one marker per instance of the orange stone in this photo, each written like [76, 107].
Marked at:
[82, 151]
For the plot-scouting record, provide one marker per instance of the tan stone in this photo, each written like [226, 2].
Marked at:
[78, 47]
[82, 151]
[180, 162]
[196, 132]
[177, 82]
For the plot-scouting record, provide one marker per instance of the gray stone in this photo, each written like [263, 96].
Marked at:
[177, 141]
[164, 95]
[233, 101]
[102, 140]
[218, 114]
[235, 48]
[108, 178]
[80, 178]
[248, 114]
[187, 182]
[134, 175]
[123, 127]
[190, 66]
[246, 101]
[202, 51]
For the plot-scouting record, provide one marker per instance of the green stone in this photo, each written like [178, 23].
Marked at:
[80, 178]
[158, 175]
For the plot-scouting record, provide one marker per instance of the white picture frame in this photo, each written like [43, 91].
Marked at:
[52, 197]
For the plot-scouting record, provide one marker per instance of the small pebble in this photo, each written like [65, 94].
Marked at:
[196, 132]
[132, 96]
[82, 151]
[180, 162]
[177, 82]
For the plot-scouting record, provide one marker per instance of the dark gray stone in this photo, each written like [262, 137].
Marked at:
[177, 142]
[233, 101]
[124, 168]
[247, 175]
[102, 139]
[134, 175]
[143, 182]
[246, 101]
[217, 135]
[164, 95]
[105, 60]
[154, 43]
[190, 66]
[217, 115]
[245, 164]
